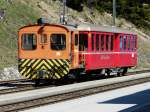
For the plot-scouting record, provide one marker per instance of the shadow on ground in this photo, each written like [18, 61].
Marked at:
[131, 99]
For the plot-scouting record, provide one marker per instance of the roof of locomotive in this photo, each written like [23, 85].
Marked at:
[67, 27]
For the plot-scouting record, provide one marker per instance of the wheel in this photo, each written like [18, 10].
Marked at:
[119, 74]
[37, 82]
[124, 71]
[108, 72]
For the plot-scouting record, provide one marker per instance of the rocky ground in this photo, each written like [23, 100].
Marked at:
[10, 73]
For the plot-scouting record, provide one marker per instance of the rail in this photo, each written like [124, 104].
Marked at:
[75, 92]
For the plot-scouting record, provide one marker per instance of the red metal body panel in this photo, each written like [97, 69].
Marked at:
[109, 58]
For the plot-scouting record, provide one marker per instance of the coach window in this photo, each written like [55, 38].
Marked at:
[107, 42]
[131, 43]
[128, 42]
[93, 42]
[29, 41]
[125, 42]
[58, 41]
[121, 43]
[112, 43]
[102, 42]
[135, 42]
[97, 42]
[83, 42]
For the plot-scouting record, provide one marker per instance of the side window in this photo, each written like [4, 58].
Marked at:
[128, 37]
[58, 41]
[29, 41]
[107, 42]
[97, 42]
[43, 39]
[125, 42]
[135, 37]
[132, 43]
[76, 39]
[83, 42]
[102, 42]
[112, 43]
[131, 46]
[121, 43]
[93, 42]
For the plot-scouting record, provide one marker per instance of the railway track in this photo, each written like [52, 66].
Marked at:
[19, 86]
[73, 93]
[26, 84]
[15, 86]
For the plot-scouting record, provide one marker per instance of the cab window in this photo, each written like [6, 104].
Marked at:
[76, 39]
[43, 39]
[29, 42]
[58, 41]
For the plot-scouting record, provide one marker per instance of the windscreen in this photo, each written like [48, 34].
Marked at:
[58, 41]
[29, 42]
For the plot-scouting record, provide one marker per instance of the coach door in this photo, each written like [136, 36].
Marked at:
[75, 51]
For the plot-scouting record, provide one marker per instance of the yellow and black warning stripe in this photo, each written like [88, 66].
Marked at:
[52, 68]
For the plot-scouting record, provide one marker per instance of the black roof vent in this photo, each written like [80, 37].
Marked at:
[42, 21]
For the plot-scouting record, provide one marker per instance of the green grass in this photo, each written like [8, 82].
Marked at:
[24, 12]
[143, 54]
[17, 15]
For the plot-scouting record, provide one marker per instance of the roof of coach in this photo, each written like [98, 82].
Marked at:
[113, 29]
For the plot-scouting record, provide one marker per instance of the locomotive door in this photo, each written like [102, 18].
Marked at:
[75, 50]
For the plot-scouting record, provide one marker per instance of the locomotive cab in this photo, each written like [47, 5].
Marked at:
[46, 51]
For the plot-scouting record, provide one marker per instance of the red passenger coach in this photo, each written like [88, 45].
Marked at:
[107, 49]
